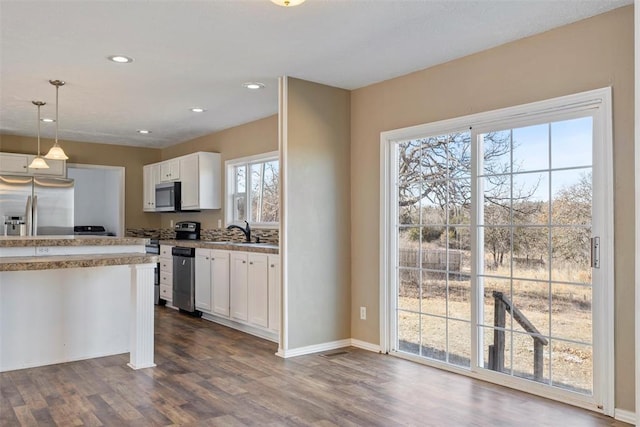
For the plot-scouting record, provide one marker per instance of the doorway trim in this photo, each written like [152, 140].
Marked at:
[603, 329]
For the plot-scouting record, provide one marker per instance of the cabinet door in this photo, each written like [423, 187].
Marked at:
[220, 282]
[14, 163]
[203, 280]
[165, 251]
[274, 292]
[151, 176]
[189, 177]
[258, 290]
[170, 170]
[238, 288]
[147, 179]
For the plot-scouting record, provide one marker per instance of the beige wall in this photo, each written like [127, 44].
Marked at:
[132, 158]
[590, 54]
[316, 259]
[260, 136]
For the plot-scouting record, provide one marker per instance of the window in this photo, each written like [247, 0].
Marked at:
[253, 190]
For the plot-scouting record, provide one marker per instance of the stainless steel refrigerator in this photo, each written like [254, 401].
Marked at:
[36, 206]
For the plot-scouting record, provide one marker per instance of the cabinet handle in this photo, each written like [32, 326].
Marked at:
[251, 263]
[206, 257]
[272, 265]
[244, 262]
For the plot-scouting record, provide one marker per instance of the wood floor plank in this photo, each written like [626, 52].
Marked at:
[24, 416]
[210, 375]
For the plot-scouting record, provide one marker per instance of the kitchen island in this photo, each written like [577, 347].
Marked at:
[65, 298]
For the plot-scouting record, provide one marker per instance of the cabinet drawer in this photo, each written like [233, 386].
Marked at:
[166, 264]
[166, 292]
[166, 279]
[165, 251]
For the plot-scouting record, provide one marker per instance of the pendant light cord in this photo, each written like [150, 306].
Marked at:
[57, 88]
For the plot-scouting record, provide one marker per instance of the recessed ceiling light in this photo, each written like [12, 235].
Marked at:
[48, 120]
[143, 131]
[288, 2]
[253, 85]
[198, 110]
[120, 59]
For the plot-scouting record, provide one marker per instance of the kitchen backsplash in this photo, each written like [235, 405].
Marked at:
[216, 234]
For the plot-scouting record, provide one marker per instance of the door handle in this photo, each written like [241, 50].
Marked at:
[595, 252]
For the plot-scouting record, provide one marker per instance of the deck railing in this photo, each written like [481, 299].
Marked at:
[496, 351]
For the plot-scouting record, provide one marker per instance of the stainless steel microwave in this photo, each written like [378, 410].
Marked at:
[168, 197]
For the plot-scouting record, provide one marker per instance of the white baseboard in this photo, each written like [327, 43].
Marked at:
[255, 331]
[332, 345]
[365, 345]
[301, 351]
[625, 416]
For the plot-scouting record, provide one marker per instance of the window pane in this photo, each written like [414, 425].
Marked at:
[241, 179]
[239, 207]
[571, 142]
[531, 148]
[264, 192]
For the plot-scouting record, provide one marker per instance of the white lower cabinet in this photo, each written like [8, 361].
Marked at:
[203, 280]
[166, 273]
[258, 290]
[241, 286]
[212, 281]
[220, 282]
[274, 292]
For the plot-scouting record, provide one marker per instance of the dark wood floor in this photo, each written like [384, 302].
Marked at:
[214, 376]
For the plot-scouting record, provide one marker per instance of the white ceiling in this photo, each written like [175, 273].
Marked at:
[198, 53]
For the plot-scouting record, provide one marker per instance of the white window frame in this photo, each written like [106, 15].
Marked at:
[230, 166]
[599, 101]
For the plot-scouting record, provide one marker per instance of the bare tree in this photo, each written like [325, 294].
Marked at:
[571, 217]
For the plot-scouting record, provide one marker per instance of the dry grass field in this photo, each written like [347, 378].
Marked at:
[559, 311]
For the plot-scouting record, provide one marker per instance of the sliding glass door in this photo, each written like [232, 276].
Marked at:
[493, 240]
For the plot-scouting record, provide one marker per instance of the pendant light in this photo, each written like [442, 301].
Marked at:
[38, 162]
[56, 152]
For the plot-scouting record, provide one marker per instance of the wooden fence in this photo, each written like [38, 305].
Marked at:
[432, 259]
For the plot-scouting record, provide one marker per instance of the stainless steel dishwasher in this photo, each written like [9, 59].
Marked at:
[184, 278]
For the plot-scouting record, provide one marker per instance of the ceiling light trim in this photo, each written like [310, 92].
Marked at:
[288, 3]
[120, 59]
[253, 85]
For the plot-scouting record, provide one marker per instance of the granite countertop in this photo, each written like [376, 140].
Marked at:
[265, 248]
[30, 241]
[74, 261]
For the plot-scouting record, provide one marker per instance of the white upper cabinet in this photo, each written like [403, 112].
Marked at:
[18, 164]
[13, 163]
[151, 176]
[170, 170]
[200, 177]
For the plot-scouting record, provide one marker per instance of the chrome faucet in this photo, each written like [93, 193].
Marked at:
[246, 230]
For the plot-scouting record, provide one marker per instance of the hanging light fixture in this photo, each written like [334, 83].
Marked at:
[38, 162]
[56, 152]
[288, 2]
